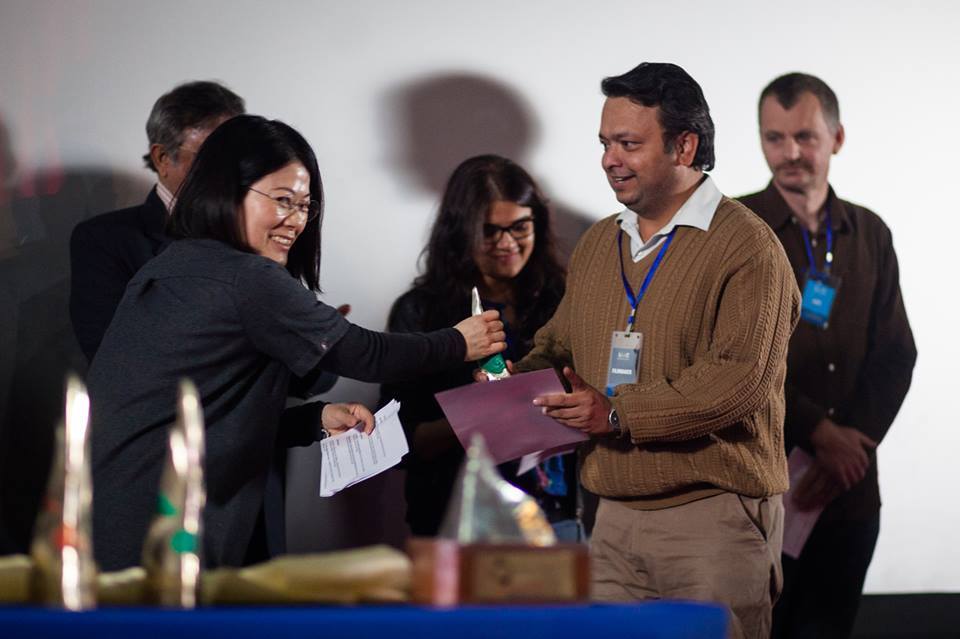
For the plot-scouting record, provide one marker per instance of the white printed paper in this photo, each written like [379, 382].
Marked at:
[353, 457]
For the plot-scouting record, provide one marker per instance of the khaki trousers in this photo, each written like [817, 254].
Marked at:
[723, 549]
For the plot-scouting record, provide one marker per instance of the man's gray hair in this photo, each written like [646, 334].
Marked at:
[188, 106]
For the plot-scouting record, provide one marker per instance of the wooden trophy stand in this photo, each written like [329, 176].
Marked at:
[447, 573]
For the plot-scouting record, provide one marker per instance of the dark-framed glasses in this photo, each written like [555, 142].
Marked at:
[520, 229]
[310, 209]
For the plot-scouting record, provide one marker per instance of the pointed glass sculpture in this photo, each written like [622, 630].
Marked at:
[64, 573]
[171, 552]
[485, 508]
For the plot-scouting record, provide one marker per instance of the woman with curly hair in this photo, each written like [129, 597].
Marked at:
[493, 231]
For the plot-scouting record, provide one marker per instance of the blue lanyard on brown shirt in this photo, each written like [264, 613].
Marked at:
[635, 299]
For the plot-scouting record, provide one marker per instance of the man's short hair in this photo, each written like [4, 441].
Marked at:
[787, 89]
[682, 106]
[190, 105]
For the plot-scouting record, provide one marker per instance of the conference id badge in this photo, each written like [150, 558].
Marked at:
[624, 368]
[819, 294]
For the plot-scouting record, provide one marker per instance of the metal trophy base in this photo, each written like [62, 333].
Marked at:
[447, 573]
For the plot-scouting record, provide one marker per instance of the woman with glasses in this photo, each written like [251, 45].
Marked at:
[232, 305]
[493, 232]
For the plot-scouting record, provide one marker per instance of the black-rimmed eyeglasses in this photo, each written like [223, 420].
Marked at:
[287, 207]
[521, 229]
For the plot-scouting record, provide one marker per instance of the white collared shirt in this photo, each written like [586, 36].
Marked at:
[165, 196]
[697, 212]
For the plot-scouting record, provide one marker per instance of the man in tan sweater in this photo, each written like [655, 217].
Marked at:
[686, 448]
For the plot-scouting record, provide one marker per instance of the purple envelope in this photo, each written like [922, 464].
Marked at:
[503, 412]
[797, 523]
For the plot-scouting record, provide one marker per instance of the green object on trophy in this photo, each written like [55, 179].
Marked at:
[494, 366]
[171, 552]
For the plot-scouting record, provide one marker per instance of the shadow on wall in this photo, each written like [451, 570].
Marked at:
[439, 121]
[443, 119]
[38, 210]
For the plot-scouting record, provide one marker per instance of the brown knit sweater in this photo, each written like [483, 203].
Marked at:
[707, 413]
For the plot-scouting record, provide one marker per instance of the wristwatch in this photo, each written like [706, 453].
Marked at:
[613, 420]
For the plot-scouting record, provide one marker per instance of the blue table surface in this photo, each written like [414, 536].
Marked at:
[596, 621]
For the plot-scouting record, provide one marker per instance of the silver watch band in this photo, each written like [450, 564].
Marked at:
[613, 420]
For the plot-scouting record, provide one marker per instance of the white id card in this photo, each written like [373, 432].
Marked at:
[625, 351]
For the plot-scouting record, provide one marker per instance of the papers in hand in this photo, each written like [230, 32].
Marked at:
[353, 457]
[797, 522]
[503, 412]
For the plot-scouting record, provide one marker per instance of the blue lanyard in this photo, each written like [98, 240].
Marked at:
[635, 299]
[828, 261]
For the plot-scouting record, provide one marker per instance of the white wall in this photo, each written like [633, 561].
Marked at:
[362, 79]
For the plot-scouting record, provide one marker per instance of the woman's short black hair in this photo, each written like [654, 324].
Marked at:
[450, 271]
[238, 153]
[682, 106]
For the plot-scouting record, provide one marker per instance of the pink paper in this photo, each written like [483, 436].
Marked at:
[797, 524]
[503, 412]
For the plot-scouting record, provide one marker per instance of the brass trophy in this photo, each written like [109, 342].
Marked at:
[373, 574]
[64, 573]
[495, 546]
[171, 552]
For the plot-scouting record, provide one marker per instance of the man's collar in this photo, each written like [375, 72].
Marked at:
[699, 208]
[697, 211]
[165, 196]
[839, 219]
[779, 213]
[153, 216]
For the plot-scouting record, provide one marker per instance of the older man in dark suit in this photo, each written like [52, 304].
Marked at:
[106, 251]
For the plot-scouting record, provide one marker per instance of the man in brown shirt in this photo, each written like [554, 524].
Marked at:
[849, 366]
[686, 449]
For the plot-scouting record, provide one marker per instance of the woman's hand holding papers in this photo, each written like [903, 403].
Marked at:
[337, 419]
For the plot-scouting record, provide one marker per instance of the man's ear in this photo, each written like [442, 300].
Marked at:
[838, 137]
[160, 158]
[685, 146]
